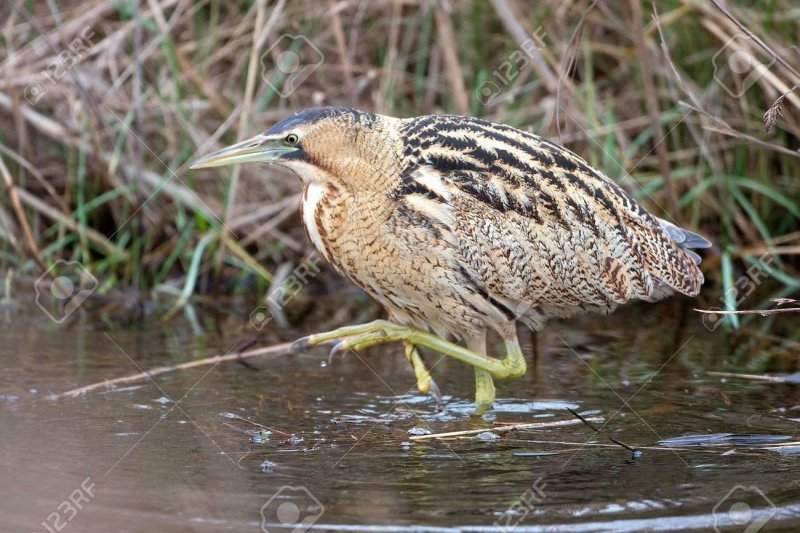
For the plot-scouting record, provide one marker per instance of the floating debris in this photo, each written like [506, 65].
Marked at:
[260, 437]
[294, 439]
[487, 435]
[785, 450]
[268, 466]
[711, 439]
[533, 454]
[419, 431]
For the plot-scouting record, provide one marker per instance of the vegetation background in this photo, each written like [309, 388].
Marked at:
[102, 104]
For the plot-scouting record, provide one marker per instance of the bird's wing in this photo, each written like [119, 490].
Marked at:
[534, 222]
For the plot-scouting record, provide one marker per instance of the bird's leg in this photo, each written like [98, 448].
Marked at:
[484, 384]
[484, 391]
[422, 374]
[383, 331]
[425, 382]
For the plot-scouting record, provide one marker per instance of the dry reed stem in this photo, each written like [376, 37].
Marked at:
[505, 429]
[278, 349]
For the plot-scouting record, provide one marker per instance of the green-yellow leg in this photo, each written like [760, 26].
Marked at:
[422, 374]
[484, 391]
[425, 382]
[484, 384]
[383, 331]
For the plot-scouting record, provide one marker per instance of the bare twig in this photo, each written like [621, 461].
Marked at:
[756, 39]
[635, 452]
[262, 426]
[504, 429]
[278, 349]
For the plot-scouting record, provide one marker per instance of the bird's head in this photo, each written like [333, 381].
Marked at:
[319, 144]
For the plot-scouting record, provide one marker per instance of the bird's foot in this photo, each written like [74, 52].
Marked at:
[383, 331]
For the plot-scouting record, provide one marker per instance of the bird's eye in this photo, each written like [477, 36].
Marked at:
[292, 138]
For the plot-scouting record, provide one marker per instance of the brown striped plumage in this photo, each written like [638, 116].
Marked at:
[459, 225]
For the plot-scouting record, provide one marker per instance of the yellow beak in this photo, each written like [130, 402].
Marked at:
[259, 149]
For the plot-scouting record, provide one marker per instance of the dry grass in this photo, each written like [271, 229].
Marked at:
[95, 164]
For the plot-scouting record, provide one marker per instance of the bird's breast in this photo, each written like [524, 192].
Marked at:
[347, 231]
[328, 221]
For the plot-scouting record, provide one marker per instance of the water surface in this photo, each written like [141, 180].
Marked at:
[182, 452]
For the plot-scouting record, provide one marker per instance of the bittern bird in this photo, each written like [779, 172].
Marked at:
[458, 226]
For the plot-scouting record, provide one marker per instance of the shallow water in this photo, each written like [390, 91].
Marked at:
[178, 453]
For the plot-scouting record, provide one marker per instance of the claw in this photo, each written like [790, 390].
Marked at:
[436, 394]
[338, 348]
[302, 344]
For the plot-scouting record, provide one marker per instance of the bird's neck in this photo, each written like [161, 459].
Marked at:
[338, 221]
[315, 213]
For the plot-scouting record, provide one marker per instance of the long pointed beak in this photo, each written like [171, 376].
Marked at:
[259, 149]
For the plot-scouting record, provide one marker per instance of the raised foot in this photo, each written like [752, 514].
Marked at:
[383, 331]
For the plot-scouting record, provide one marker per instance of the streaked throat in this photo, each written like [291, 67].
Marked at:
[313, 196]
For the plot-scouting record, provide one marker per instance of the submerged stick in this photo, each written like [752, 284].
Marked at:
[635, 452]
[262, 426]
[278, 349]
[504, 429]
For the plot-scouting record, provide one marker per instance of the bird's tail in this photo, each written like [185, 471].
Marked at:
[684, 268]
[685, 239]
